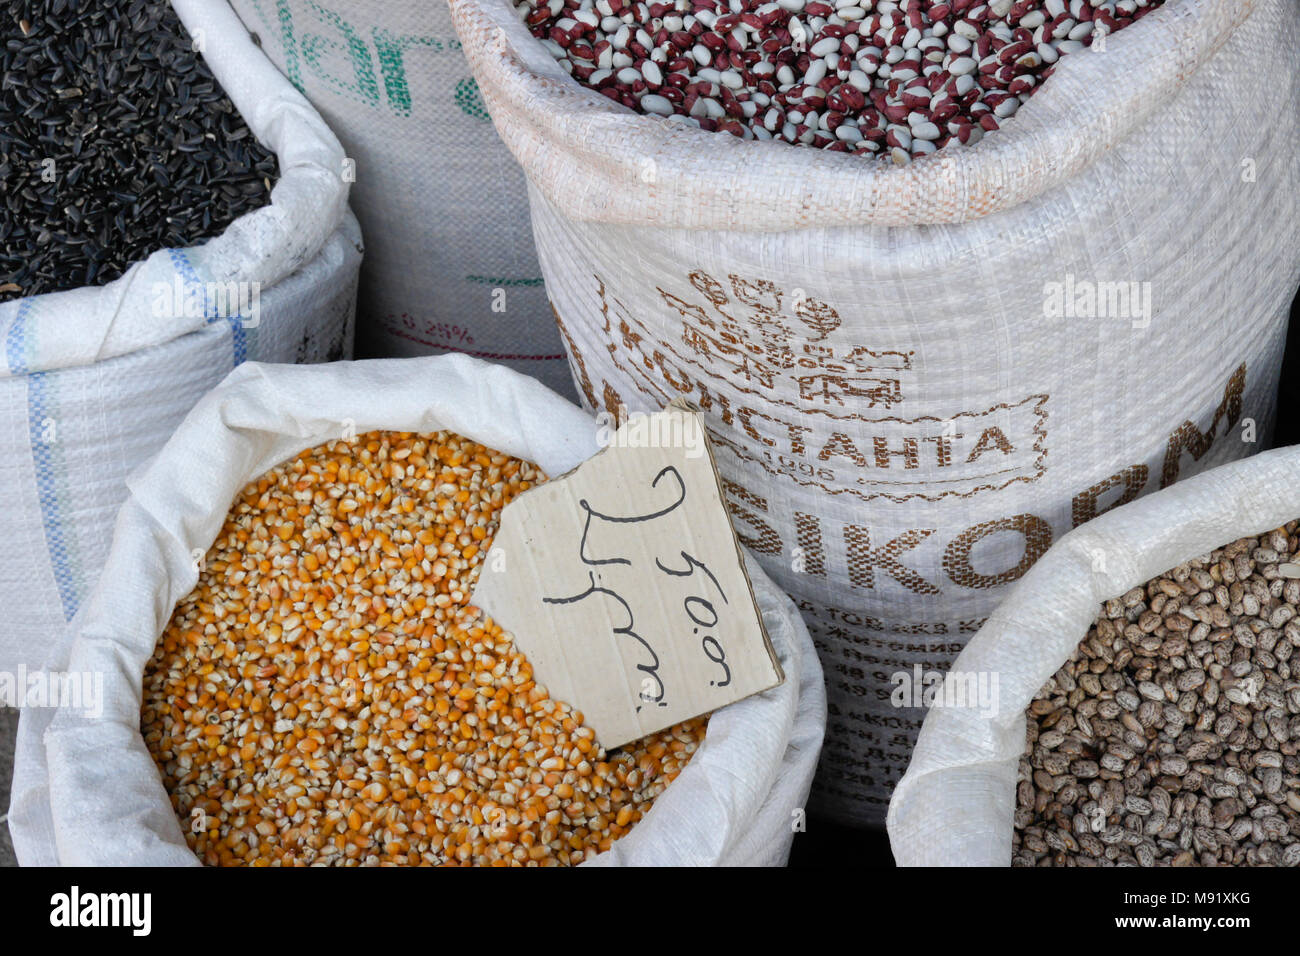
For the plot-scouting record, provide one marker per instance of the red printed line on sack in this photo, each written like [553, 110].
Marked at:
[498, 356]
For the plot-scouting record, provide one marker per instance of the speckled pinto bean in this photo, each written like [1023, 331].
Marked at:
[1171, 737]
[895, 79]
[327, 694]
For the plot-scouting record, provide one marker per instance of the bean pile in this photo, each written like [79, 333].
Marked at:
[898, 79]
[115, 141]
[327, 694]
[1172, 736]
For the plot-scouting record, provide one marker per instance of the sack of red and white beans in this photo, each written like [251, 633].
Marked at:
[94, 377]
[918, 375]
[86, 787]
[958, 804]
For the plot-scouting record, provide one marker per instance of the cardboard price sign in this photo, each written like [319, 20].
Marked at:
[624, 585]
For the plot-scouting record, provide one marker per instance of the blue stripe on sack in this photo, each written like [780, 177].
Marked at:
[238, 334]
[15, 355]
[39, 402]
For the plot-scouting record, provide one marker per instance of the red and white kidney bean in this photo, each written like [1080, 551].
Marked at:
[896, 79]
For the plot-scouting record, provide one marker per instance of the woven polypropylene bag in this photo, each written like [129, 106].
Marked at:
[955, 804]
[86, 790]
[905, 417]
[93, 380]
[450, 264]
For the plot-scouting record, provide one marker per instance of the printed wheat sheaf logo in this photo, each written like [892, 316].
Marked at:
[772, 367]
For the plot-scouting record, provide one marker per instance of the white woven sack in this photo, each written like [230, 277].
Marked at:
[905, 419]
[955, 804]
[450, 264]
[93, 380]
[86, 791]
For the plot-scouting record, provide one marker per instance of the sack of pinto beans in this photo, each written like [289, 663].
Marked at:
[450, 264]
[932, 346]
[294, 678]
[1163, 730]
[218, 257]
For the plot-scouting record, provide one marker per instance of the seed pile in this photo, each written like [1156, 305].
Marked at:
[891, 78]
[115, 141]
[1172, 735]
[327, 694]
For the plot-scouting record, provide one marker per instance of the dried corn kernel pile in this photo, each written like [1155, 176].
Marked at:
[327, 694]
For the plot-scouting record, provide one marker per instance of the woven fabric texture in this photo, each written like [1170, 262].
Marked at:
[450, 264]
[93, 380]
[954, 807]
[917, 379]
[86, 791]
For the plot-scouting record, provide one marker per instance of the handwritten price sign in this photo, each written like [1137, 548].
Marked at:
[624, 584]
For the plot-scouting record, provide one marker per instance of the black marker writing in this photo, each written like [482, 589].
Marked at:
[651, 670]
[691, 564]
[592, 514]
[699, 608]
[710, 645]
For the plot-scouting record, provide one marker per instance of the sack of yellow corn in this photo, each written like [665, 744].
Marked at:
[291, 671]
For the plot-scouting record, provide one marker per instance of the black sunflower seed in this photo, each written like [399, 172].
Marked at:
[115, 141]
